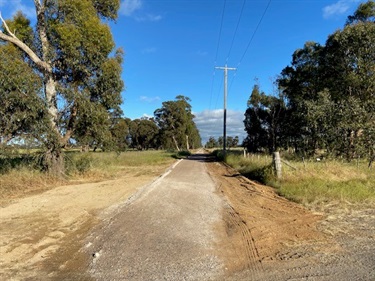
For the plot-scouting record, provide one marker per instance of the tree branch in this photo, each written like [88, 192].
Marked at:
[13, 39]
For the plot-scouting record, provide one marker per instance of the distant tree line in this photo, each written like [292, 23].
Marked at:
[325, 99]
[213, 143]
[171, 128]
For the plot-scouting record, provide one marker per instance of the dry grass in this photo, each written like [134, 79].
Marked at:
[25, 179]
[323, 182]
[312, 182]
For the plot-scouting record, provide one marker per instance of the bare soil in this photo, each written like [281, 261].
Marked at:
[270, 238]
[235, 229]
[39, 233]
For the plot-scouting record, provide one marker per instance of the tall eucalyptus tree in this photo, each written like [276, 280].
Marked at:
[70, 52]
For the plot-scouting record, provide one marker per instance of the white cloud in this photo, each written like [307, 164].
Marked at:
[148, 116]
[149, 99]
[149, 17]
[132, 8]
[338, 8]
[210, 123]
[17, 5]
[128, 7]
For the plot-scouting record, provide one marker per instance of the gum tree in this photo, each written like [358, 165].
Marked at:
[177, 127]
[70, 51]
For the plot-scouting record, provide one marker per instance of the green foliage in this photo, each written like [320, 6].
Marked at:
[232, 142]
[326, 97]
[144, 133]
[16, 161]
[70, 51]
[365, 12]
[219, 154]
[120, 133]
[211, 143]
[177, 128]
[264, 122]
[21, 107]
[20, 26]
[107, 8]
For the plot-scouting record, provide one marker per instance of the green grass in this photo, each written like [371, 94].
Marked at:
[311, 182]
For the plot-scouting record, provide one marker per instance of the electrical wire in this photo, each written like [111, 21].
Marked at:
[217, 50]
[249, 43]
[235, 32]
[254, 33]
[221, 29]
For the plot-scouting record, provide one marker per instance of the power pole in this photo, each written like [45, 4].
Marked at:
[225, 68]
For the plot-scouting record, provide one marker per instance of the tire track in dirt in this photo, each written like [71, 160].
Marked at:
[252, 260]
[258, 223]
[289, 241]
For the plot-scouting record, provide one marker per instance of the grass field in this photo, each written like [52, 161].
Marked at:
[312, 182]
[20, 174]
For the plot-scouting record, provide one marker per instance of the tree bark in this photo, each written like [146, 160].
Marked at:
[42, 65]
[176, 144]
[54, 162]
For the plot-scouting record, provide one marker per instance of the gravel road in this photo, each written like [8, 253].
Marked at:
[165, 232]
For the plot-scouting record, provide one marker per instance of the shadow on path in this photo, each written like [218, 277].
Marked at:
[202, 158]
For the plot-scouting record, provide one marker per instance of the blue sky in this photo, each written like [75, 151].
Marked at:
[172, 47]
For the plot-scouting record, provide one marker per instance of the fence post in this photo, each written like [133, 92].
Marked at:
[277, 164]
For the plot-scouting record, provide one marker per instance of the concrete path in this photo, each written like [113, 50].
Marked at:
[166, 232]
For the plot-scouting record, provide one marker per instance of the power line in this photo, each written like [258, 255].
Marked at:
[235, 32]
[217, 51]
[221, 28]
[255, 31]
[250, 41]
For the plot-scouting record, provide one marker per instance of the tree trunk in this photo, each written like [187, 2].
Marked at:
[175, 142]
[187, 142]
[54, 162]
